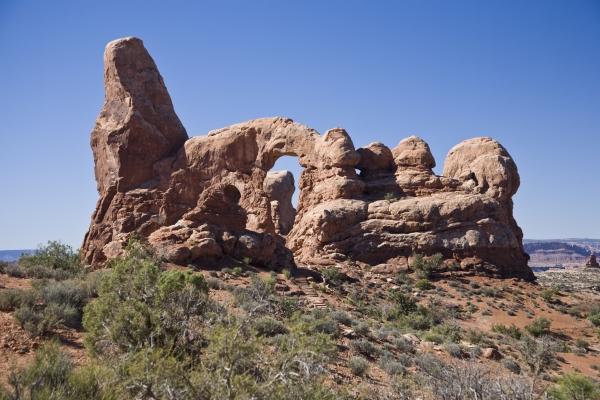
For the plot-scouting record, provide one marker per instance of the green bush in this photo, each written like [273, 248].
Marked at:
[52, 260]
[511, 330]
[574, 386]
[10, 299]
[139, 305]
[404, 304]
[424, 284]
[364, 347]
[332, 276]
[425, 267]
[549, 295]
[267, 326]
[358, 365]
[390, 365]
[51, 304]
[594, 317]
[159, 332]
[539, 327]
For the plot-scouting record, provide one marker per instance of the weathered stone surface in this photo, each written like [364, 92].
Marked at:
[211, 198]
[279, 187]
[592, 262]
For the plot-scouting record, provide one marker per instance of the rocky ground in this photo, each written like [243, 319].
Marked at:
[479, 320]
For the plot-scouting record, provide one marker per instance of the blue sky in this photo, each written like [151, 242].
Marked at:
[524, 72]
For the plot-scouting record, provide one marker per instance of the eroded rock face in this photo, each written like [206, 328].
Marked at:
[279, 187]
[210, 199]
[592, 262]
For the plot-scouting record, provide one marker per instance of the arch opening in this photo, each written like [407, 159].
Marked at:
[281, 187]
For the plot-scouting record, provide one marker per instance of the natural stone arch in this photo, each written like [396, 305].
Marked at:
[182, 194]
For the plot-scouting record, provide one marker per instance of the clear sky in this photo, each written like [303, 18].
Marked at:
[524, 72]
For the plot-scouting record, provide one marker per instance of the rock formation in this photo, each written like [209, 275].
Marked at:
[209, 199]
[279, 187]
[592, 262]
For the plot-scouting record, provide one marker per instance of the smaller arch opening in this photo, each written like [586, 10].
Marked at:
[281, 185]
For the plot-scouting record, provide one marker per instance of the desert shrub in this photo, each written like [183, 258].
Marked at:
[539, 327]
[548, 295]
[260, 298]
[364, 347]
[538, 353]
[425, 267]
[267, 326]
[403, 304]
[511, 330]
[454, 349]
[139, 305]
[474, 336]
[53, 260]
[342, 317]
[424, 284]
[511, 365]
[214, 283]
[362, 328]
[14, 270]
[582, 344]
[404, 345]
[449, 331]
[10, 299]
[51, 304]
[458, 380]
[574, 386]
[433, 337]
[358, 366]
[332, 276]
[152, 326]
[287, 273]
[52, 376]
[390, 365]
[594, 316]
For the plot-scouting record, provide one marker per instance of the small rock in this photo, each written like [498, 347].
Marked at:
[491, 353]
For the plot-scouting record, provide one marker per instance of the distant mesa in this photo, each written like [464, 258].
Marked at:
[210, 199]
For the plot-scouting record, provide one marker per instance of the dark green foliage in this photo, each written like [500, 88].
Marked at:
[594, 316]
[511, 330]
[332, 276]
[425, 267]
[10, 299]
[54, 260]
[358, 366]
[574, 386]
[539, 327]
[141, 306]
[390, 365]
[165, 339]
[51, 304]
[260, 298]
[404, 304]
[364, 347]
[52, 376]
[424, 284]
[267, 326]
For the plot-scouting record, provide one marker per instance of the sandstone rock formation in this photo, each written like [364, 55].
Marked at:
[209, 199]
[279, 187]
[592, 262]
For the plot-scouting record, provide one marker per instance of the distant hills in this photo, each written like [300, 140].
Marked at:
[13, 255]
[560, 253]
